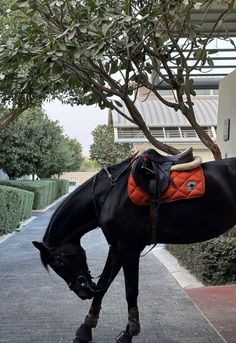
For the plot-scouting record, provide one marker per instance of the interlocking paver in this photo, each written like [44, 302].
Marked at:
[37, 307]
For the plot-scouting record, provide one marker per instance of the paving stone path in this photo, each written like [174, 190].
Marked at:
[37, 307]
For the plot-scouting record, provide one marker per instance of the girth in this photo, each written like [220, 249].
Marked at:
[151, 172]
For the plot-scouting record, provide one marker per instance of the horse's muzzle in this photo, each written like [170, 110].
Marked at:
[84, 294]
[83, 287]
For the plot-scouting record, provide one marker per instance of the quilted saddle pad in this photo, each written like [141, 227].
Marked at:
[184, 185]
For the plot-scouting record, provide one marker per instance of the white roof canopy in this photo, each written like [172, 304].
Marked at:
[156, 114]
[164, 123]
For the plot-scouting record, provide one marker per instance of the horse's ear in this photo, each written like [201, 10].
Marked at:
[40, 246]
[45, 251]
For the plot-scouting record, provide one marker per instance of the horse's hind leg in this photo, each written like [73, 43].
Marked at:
[111, 269]
[132, 329]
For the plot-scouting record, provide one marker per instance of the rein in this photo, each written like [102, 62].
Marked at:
[114, 180]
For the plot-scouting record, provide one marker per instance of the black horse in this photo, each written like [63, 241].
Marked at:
[103, 201]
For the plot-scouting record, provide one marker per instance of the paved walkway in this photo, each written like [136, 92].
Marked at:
[39, 308]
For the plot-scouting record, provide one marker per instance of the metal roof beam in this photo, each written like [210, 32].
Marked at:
[208, 67]
[227, 27]
[199, 83]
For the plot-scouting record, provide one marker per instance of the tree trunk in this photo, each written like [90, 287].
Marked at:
[143, 127]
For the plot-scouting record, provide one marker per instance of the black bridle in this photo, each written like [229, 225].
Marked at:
[82, 282]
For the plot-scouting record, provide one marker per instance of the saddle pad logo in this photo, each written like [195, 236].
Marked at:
[185, 185]
[191, 185]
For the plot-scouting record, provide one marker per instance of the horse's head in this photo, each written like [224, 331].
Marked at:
[70, 263]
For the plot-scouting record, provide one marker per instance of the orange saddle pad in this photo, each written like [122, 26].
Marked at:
[185, 185]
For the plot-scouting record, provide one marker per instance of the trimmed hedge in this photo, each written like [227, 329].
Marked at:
[15, 205]
[45, 191]
[58, 187]
[213, 262]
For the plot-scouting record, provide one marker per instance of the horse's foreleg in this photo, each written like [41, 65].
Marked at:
[130, 262]
[111, 269]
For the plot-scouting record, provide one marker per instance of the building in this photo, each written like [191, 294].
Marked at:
[171, 127]
[226, 127]
[168, 126]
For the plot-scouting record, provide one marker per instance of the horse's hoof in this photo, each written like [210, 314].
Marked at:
[77, 340]
[83, 334]
[124, 337]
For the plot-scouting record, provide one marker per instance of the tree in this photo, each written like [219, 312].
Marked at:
[35, 145]
[104, 151]
[102, 51]
[75, 149]
[89, 165]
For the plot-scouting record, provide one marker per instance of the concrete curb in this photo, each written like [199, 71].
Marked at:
[183, 277]
[22, 225]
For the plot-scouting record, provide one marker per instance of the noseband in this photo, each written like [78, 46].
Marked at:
[82, 282]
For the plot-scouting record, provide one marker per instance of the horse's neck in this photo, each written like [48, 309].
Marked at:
[74, 217]
[80, 212]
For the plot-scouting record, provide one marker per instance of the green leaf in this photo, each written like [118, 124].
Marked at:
[105, 28]
[176, 107]
[213, 51]
[198, 53]
[210, 62]
[118, 103]
[62, 46]
[72, 34]
[232, 42]
[114, 67]
[77, 53]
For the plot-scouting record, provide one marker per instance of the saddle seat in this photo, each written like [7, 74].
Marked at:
[183, 157]
[151, 170]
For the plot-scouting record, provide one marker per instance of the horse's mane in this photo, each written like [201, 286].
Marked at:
[64, 203]
[113, 168]
[118, 166]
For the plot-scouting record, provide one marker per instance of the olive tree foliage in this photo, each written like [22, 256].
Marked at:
[104, 151]
[102, 51]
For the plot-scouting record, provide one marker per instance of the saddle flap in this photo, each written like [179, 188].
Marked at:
[147, 173]
[142, 173]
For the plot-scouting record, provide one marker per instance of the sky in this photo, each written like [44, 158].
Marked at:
[77, 121]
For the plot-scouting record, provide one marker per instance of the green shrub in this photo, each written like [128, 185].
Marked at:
[15, 205]
[59, 187]
[62, 186]
[28, 201]
[45, 191]
[40, 189]
[213, 262]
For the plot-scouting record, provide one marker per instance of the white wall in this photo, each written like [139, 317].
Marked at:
[3, 176]
[227, 114]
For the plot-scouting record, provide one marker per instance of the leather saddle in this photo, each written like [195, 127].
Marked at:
[151, 172]
[152, 167]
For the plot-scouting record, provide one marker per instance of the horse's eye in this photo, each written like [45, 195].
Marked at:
[60, 261]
